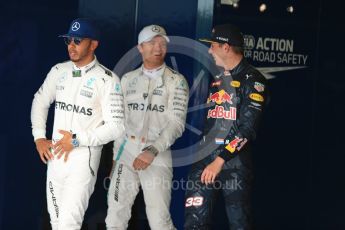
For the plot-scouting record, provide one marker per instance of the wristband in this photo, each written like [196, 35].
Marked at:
[75, 141]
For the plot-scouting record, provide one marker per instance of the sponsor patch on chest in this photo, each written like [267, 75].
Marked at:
[86, 93]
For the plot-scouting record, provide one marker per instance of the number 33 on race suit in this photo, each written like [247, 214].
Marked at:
[194, 201]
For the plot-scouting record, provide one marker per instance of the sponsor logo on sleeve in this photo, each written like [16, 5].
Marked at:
[240, 146]
[236, 144]
[256, 97]
[231, 147]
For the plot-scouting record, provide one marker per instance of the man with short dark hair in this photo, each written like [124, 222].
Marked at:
[88, 113]
[235, 105]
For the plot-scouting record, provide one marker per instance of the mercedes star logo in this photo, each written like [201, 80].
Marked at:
[156, 29]
[75, 26]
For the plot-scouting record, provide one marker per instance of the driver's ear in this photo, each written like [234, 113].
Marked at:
[226, 47]
[94, 44]
[140, 48]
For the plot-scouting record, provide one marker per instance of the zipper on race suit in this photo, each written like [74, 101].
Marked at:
[91, 170]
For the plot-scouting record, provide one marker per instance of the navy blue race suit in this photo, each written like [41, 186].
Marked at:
[236, 101]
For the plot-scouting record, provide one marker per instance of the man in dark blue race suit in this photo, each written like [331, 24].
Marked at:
[235, 104]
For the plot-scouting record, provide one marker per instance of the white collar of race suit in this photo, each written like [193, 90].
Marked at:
[154, 73]
[85, 69]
